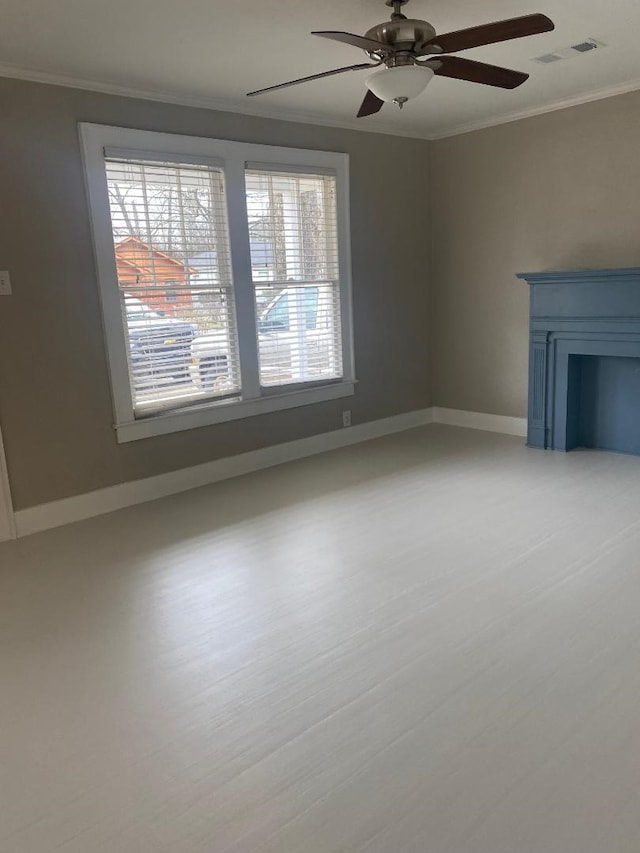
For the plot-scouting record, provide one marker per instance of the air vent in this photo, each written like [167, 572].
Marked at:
[571, 52]
[586, 46]
[546, 58]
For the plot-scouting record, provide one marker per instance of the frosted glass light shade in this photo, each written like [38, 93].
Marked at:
[403, 81]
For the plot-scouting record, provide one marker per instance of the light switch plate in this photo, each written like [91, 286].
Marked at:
[5, 283]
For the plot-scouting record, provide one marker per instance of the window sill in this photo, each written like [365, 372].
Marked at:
[216, 413]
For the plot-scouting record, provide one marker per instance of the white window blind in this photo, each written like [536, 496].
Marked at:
[295, 273]
[173, 263]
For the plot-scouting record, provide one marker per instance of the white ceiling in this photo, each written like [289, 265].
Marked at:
[213, 51]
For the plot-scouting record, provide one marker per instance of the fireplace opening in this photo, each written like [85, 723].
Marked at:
[603, 403]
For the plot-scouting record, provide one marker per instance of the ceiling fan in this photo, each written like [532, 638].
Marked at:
[397, 46]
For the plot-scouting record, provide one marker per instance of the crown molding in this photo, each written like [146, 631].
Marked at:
[206, 103]
[562, 104]
[201, 102]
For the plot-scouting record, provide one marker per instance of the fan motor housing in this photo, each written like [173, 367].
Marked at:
[402, 34]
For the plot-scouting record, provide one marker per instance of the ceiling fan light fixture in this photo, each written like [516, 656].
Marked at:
[397, 47]
[400, 83]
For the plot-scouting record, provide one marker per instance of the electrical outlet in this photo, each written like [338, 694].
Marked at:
[5, 283]
[346, 418]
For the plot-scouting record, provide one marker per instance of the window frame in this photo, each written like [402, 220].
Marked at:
[235, 158]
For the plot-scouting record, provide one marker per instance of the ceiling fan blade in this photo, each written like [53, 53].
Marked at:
[355, 41]
[359, 67]
[479, 72]
[512, 28]
[371, 104]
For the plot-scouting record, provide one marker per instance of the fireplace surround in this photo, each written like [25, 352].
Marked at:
[584, 359]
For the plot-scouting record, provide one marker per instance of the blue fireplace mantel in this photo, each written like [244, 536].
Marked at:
[576, 313]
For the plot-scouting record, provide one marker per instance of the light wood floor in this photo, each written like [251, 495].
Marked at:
[426, 644]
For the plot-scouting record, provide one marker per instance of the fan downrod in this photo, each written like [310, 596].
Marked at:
[396, 5]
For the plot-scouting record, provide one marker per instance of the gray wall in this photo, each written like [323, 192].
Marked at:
[55, 407]
[556, 191]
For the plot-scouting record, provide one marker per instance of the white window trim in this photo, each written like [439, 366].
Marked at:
[233, 156]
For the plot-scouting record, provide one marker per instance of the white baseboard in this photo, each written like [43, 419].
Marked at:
[7, 521]
[480, 420]
[79, 507]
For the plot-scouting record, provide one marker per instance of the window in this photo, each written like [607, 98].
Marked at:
[299, 334]
[224, 276]
[163, 217]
